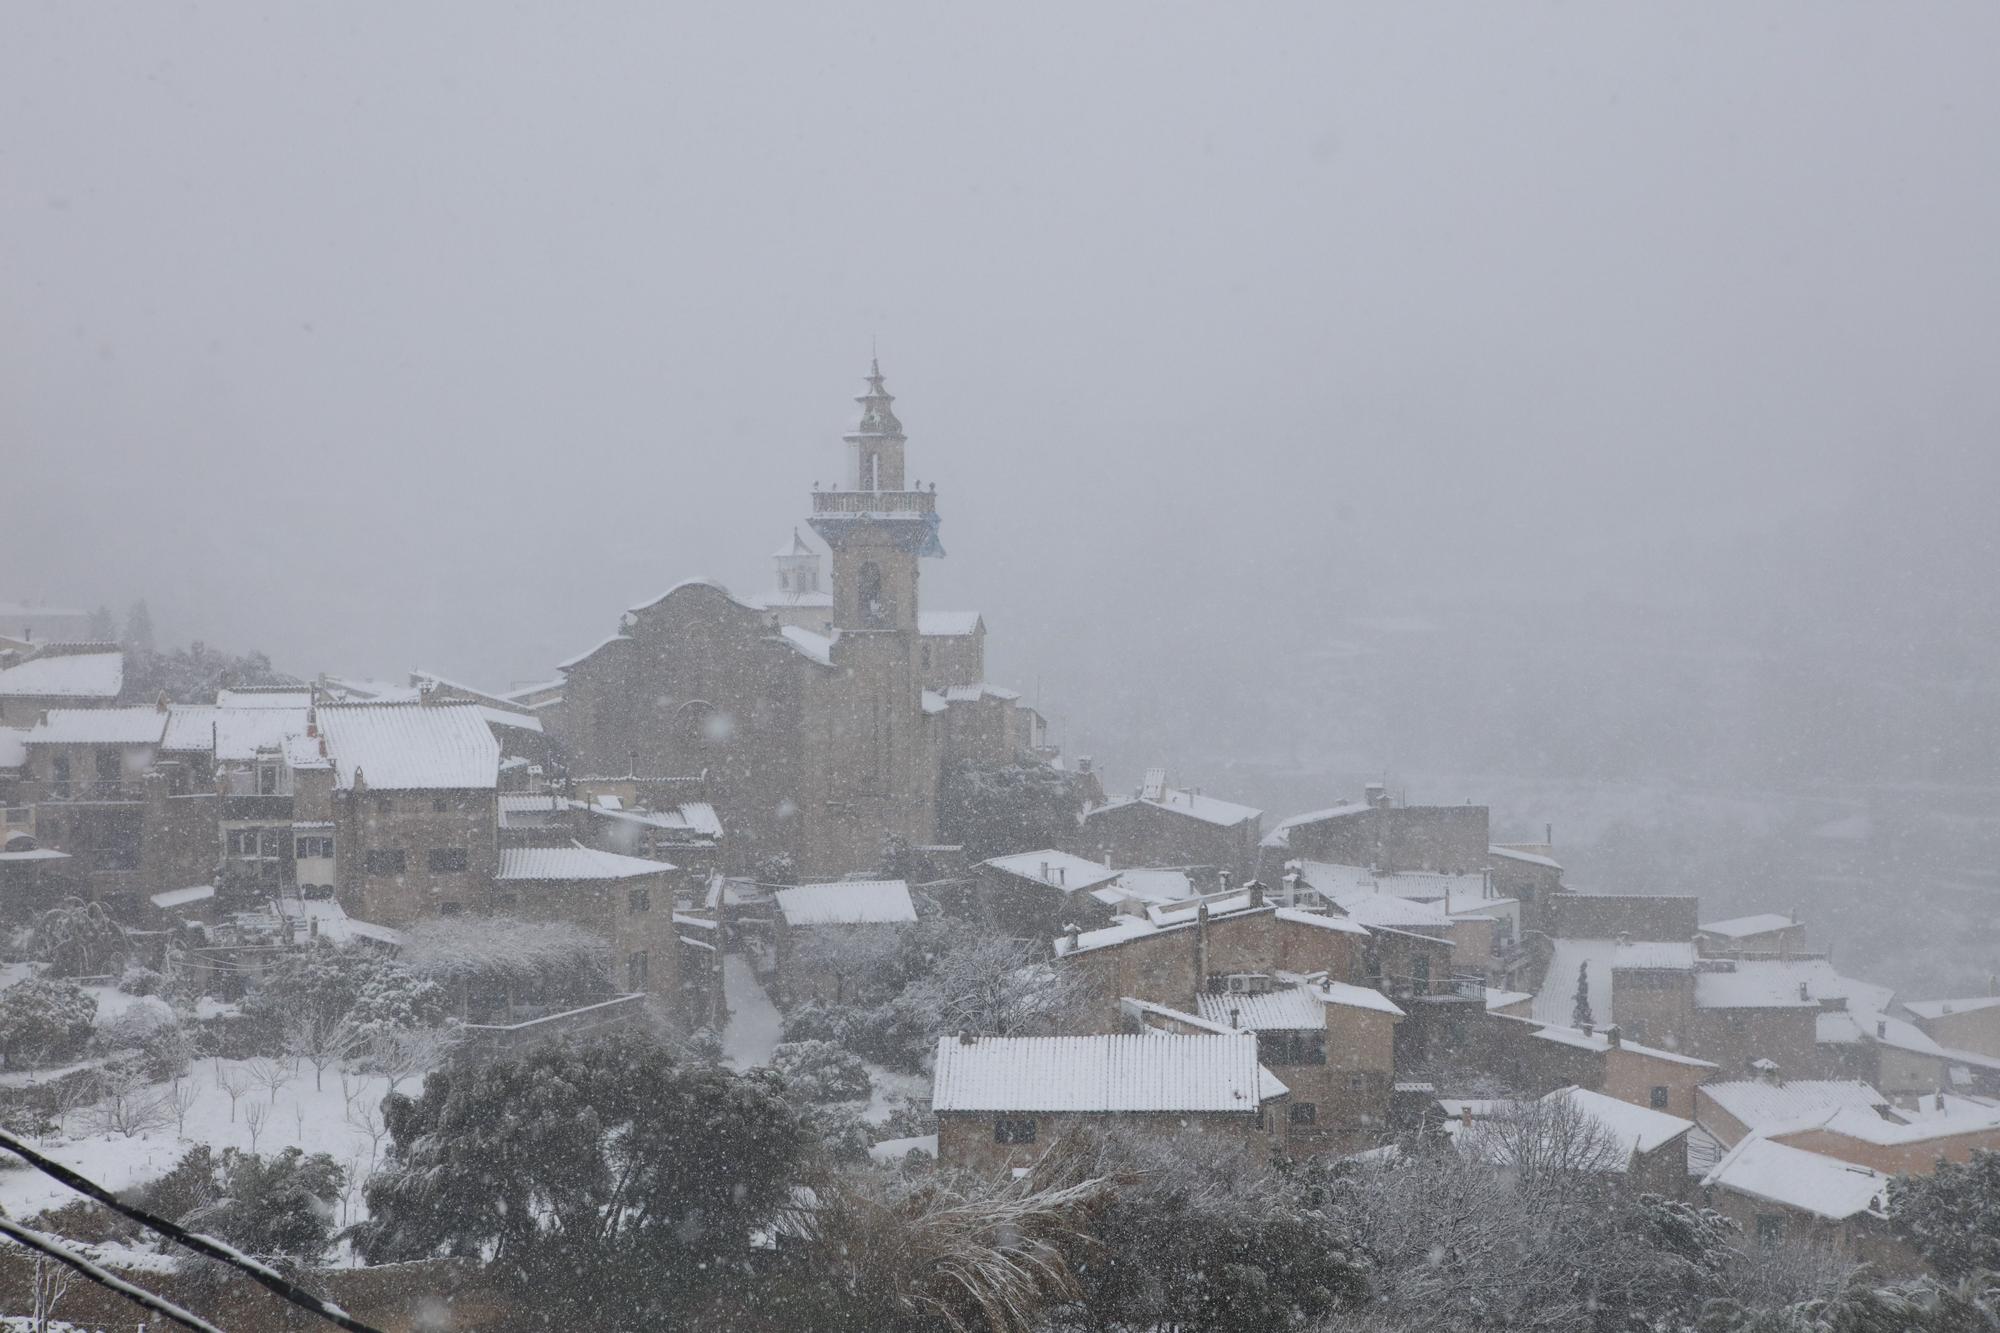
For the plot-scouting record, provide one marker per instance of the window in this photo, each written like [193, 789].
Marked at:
[927, 657]
[1282, 1047]
[59, 774]
[267, 780]
[639, 900]
[1770, 1230]
[246, 842]
[451, 909]
[385, 861]
[1361, 1081]
[110, 767]
[446, 860]
[874, 609]
[1304, 1113]
[1659, 1099]
[439, 805]
[635, 971]
[1014, 1129]
[383, 805]
[313, 847]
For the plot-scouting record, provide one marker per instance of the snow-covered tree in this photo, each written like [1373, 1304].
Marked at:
[998, 987]
[1579, 1014]
[43, 1020]
[1952, 1216]
[77, 939]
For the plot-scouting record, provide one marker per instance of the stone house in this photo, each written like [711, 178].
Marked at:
[1767, 933]
[1378, 833]
[1970, 1024]
[1039, 895]
[953, 650]
[1645, 1148]
[625, 899]
[831, 936]
[1541, 1058]
[1001, 1102]
[1168, 826]
[1332, 1043]
[1529, 874]
[410, 790]
[60, 675]
[1778, 1195]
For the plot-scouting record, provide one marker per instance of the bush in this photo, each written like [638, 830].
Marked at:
[133, 1026]
[913, 1117]
[44, 1021]
[140, 980]
[844, 1137]
[76, 939]
[818, 1072]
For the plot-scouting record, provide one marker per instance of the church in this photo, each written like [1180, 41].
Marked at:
[818, 718]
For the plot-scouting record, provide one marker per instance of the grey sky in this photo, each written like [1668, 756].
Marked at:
[383, 335]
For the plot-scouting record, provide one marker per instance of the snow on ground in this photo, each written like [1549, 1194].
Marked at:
[755, 1027]
[895, 1150]
[888, 1089]
[325, 1119]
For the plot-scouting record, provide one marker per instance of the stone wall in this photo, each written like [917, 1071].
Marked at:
[1140, 834]
[1604, 916]
[966, 1138]
[418, 823]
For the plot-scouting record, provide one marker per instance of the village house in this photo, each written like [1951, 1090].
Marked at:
[1969, 1025]
[1529, 874]
[1002, 1102]
[830, 936]
[1646, 1148]
[1038, 895]
[60, 675]
[1542, 1057]
[1763, 933]
[1382, 835]
[1168, 826]
[1778, 1195]
[626, 900]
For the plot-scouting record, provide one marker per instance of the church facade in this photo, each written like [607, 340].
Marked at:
[820, 719]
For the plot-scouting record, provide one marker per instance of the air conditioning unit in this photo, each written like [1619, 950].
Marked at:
[1248, 983]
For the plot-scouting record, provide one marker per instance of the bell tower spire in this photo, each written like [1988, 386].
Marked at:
[875, 445]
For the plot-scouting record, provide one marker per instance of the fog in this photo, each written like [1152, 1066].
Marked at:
[1477, 396]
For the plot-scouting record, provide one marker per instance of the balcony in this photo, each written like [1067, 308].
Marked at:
[874, 502]
[95, 789]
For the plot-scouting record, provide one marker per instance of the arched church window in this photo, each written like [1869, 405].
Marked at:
[874, 606]
[695, 724]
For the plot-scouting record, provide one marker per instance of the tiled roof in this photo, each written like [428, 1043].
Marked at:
[947, 624]
[256, 697]
[1154, 1072]
[65, 676]
[1654, 956]
[1736, 927]
[1940, 1008]
[1755, 1102]
[100, 726]
[1808, 1181]
[230, 732]
[1289, 1009]
[1775, 983]
[848, 903]
[1207, 809]
[1636, 1128]
[575, 862]
[1061, 870]
[407, 746]
[1510, 854]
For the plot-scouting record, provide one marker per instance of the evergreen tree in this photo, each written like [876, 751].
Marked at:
[139, 628]
[1580, 1015]
[103, 626]
[1952, 1216]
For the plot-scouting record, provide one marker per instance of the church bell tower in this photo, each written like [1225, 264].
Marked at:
[877, 526]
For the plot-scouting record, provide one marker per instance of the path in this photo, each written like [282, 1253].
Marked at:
[754, 1027]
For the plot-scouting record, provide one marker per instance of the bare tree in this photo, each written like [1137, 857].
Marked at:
[999, 987]
[367, 1118]
[320, 1041]
[51, 1283]
[70, 1095]
[253, 1120]
[186, 1094]
[1552, 1146]
[409, 1052]
[131, 1106]
[235, 1081]
[271, 1074]
[298, 1122]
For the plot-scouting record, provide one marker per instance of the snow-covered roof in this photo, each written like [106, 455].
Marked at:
[100, 726]
[593, 651]
[406, 746]
[1154, 886]
[13, 747]
[305, 752]
[1774, 983]
[574, 862]
[1291, 1008]
[1756, 1103]
[523, 693]
[1531, 858]
[260, 697]
[947, 624]
[871, 902]
[1901, 1126]
[1061, 870]
[1108, 1074]
[1139, 1010]
[972, 694]
[699, 581]
[1596, 1040]
[932, 702]
[1357, 997]
[1654, 956]
[33, 854]
[1808, 1181]
[1555, 1002]
[65, 676]
[818, 647]
[1118, 932]
[172, 898]
[1501, 999]
[1345, 925]
[784, 597]
[1738, 927]
[1942, 1008]
[1844, 1027]
[232, 732]
[1208, 809]
[332, 922]
[1637, 1129]
[1387, 910]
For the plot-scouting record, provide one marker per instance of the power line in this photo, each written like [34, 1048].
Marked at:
[159, 1305]
[264, 1275]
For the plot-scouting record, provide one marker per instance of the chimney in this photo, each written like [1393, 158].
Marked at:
[1588, 1029]
[1624, 939]
[1881, 1025]
[965, 1037]
[1075, 934]
[1256, 887]
[1045, 873]
[1235, 1018]
[1465, 1116]
[1224, 878]
[1804, 994]
[1939, 1103]
[1062, 877]
[1612, 1035]
[1201, 943]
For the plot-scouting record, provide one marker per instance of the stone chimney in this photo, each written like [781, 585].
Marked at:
[1881, 1027]
[1235, 1018]
[1804, 994]
[1612, 1035]
[1256, 887]
[965, 1037]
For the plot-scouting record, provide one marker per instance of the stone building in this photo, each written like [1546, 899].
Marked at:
[819, 717]
[1160, 825]
[627, 900]
[1378, 833]
[1002, 1101]
[59, 675]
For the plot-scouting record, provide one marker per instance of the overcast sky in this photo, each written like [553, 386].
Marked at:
[381, 336]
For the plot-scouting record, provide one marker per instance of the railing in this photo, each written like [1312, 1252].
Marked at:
[874, 502]
[96, 789]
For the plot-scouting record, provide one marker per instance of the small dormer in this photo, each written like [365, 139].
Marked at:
[798, 566]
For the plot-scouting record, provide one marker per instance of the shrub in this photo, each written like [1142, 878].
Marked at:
[134, 1025]
[76, 939]
[42, 1021]
[817, 1072]
[140, 980]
